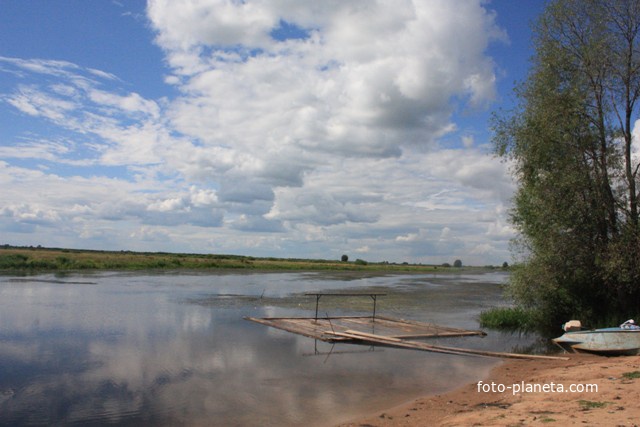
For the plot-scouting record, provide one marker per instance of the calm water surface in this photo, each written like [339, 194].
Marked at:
[173, 349]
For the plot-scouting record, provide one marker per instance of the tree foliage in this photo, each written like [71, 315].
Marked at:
[571, 143]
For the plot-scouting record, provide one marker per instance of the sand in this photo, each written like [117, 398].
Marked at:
[615, 403]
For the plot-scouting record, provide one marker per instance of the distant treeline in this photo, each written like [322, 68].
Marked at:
[38, 258]
[28, 259]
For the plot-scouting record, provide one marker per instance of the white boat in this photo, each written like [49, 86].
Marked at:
[623, 340]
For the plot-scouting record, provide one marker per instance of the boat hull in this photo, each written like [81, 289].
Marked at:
[608, 341]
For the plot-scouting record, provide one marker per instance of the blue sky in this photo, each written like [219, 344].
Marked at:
[267, 128]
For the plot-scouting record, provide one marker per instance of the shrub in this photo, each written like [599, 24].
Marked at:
[13, 261]
[63, 261]
[507, 318]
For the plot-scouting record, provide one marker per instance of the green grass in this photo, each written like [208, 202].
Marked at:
[507, 318]
[586, 405]
[32, 259]
[631, 375]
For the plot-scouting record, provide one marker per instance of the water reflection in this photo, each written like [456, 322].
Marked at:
[173, 349]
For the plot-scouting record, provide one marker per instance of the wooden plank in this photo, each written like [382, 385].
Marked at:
[419, 330]
[394, 342]
[367, 323]
[308, 318]
[352, 323]
[316, 333]
[277, 325]
[406, 321]
[312, 328]
[437, 348]
[315, 328]
[346, 294]
[386, 328]
[441, 335]
[416, 323]
[413, 327]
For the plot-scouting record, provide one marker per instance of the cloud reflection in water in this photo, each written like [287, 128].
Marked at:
[134, 350]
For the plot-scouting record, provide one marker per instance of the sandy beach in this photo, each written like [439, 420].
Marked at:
[534, 392]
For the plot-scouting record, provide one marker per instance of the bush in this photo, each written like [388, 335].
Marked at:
[64, 261]
[13, 261]
[508, 318]
[361, 262]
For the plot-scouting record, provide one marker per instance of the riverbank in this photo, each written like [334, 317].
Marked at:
[614, 403]
[26, 260]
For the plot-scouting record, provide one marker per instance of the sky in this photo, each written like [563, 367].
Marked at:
[267, 128]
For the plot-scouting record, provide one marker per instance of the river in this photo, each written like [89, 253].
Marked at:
[173, 348]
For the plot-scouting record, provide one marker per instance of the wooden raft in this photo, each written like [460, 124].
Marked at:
[328, 328]
[385, 331]
[379, 330]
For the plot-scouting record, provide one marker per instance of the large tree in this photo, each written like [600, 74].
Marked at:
[571, 141]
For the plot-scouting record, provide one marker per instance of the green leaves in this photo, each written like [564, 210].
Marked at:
[570, 140]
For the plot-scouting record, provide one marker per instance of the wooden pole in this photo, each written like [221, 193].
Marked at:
[317, 302]
[380, 339]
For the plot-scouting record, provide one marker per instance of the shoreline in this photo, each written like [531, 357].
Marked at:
[614, 403]
[29, 260]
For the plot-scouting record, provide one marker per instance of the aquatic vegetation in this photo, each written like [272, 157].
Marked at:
[507, 318]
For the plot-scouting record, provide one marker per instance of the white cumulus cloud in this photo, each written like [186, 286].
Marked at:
[293, 128]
